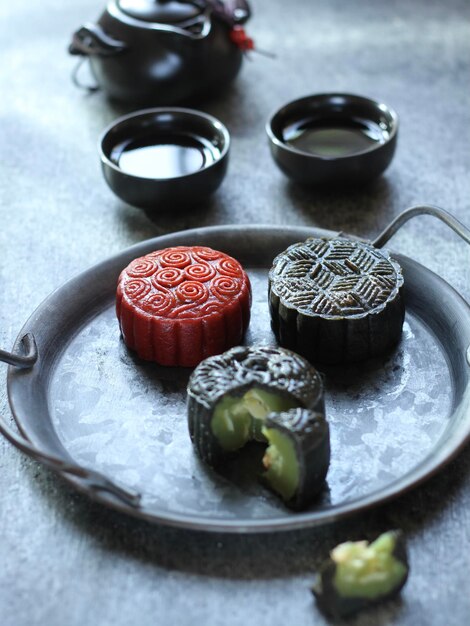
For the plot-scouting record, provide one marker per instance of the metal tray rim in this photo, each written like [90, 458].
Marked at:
[417, 475]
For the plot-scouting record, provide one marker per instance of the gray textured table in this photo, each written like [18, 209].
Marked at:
[64, 560]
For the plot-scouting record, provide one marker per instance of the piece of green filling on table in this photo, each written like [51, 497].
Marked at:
[367, 570]
[239, 419]
[359, 574]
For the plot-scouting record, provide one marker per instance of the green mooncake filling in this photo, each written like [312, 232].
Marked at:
[367, 570]
[280, 461]
[237, 420]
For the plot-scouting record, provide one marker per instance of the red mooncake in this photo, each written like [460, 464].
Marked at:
[179, 305]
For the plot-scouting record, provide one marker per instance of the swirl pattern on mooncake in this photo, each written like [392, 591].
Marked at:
[194, 276]
[200, 271]
[137, 288]
[173, 257]
[206, 254]
[224, 287]
[179, 305]
[168, 277]
[142, 268]
[160, 302]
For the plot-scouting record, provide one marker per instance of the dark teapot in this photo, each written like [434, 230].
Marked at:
[164, 52]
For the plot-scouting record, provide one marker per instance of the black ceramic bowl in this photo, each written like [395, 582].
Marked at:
[333, 139]
[162, 158]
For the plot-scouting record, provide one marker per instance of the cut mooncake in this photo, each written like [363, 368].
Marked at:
[298, 455]
[270, 395]
[336, 300]
[179, 305]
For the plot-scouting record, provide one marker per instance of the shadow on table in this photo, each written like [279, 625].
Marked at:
[354, 210]
[146, 224]
[243, 557]
[358, 211]
[207, 212]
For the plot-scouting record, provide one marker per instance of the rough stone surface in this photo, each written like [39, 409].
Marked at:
[67, 561]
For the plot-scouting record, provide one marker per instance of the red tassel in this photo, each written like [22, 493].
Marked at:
[241, 39]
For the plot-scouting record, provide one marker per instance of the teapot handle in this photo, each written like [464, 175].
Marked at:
[238, 11]
[91, 40]
[232, 12]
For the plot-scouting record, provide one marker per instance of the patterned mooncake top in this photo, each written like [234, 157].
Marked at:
[256, 365]
[335, 278]
[183, 282]
[301, 422]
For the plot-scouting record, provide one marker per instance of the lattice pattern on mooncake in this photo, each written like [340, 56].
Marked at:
[335, 277]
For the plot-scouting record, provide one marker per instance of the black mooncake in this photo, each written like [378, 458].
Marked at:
[298, 455]
[336, 300]
[269, 395]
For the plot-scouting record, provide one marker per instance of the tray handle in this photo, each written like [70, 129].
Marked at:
[424, 209]
[25, 357]
[94, 480]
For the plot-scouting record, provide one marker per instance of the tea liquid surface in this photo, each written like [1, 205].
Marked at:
[334, 138]
[164, 156]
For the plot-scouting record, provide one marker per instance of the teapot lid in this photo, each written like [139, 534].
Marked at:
[161, 11]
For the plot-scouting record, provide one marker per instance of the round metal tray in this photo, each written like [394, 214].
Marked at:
[115, 427]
